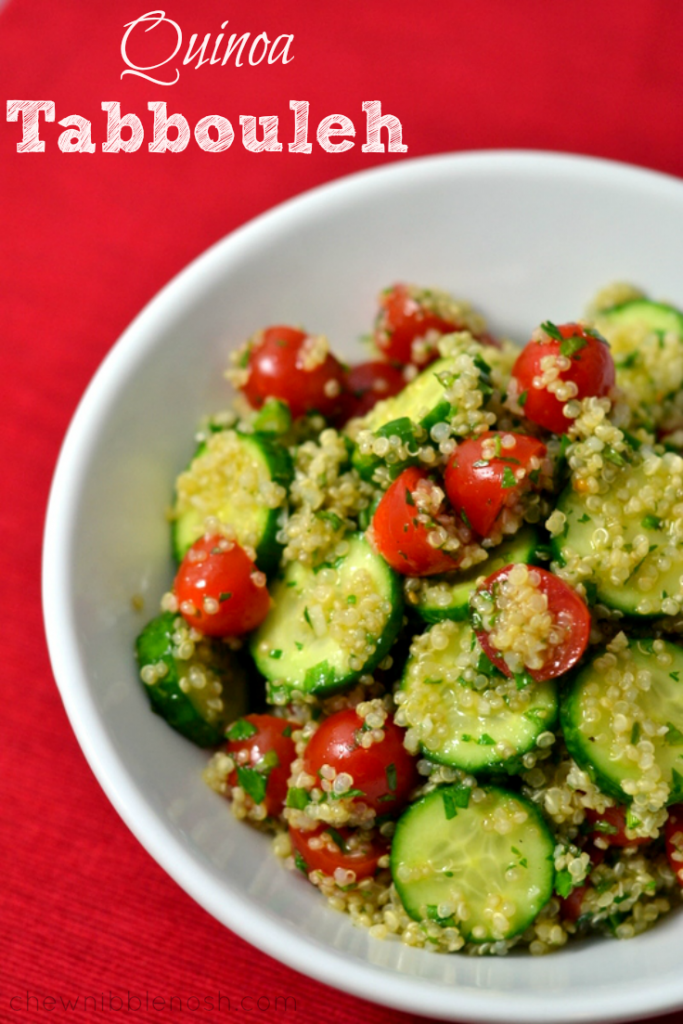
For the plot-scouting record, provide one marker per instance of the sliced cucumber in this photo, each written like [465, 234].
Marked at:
[646, 339]
[409, 416]
[632, 543]
[198, 696]
[238, 479]
[451, 865]
[453, 717]
[309, 643]
[611, 716]
[448, 596]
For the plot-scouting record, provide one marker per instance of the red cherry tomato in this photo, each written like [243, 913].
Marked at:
[610, 825]
[264, 736]
[478, 486]
[591, 370]
[571, 906]
[401, 320]
[366, 384]
[568, 611]
[219, 590]
[360, 852]
[280, 365]
[673, 835]
[385, 773]
[402, 524]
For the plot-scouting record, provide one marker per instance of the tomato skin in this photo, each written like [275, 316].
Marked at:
[366, 384]
[214, 567]
[335, 743]
[276, 370]
[674, 844]
[399, 537]
[364, 861]
[571, 906]
[401, 320]
[563, 603]
[592, 371]
[478, 490]
[612, 818]
[272, 734]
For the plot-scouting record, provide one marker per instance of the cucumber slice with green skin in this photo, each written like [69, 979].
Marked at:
[448, 596]
[646, 339]
[455, 722]
[605, 716]
[214, 485]
[445, 856]
[200, 714]
[304, 644]
[410, 415]
[601, 538]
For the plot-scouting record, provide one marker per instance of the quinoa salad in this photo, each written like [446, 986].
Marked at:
[427, 619]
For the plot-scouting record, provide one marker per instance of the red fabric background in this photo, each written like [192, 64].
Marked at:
[85, 241]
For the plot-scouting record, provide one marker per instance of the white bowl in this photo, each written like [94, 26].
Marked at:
[526, 237]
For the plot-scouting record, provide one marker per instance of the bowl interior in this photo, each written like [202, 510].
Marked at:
[525, 237]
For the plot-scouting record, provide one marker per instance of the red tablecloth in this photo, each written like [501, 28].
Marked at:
[86, 240]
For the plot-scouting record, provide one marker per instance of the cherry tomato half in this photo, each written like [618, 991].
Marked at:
[673, 835]
[383, 773]
[567, 609]
[591, 371]
[359, 851]
[262, 745]
[401, 320]
[402, 524]
[220, 591]
[478, 485]
[610, 826]
[366, 384]
[282, 363]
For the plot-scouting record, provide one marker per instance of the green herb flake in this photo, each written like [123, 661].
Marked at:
[410, 500]
[521, 401]
[299, 646]
[509, 479]
[351, 599]
[585, 518]
[635, 733]
[486, 741]
[651, 523]
[390, 772]
[613, 456]
[570, 346]
[674, 736]
[348, 794]
[455, 797]
[253, 782]
[308, 618]
[676, 786]
[676, 676]
[523, 679]
[300, 864]
[605, 828]
[336, 838]
[564, 883]
[241, 730]
[224, 597]
[463, 516]
[275, 654]
[552, 330]
[297, 797]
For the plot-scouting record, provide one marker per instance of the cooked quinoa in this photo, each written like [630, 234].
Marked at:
[511, 750]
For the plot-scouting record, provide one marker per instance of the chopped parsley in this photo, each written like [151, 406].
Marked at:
[455, 797]
[390, 772]
[241, 730]
[297, 797]
[552, 331]
[509, 479]
[570, 346]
